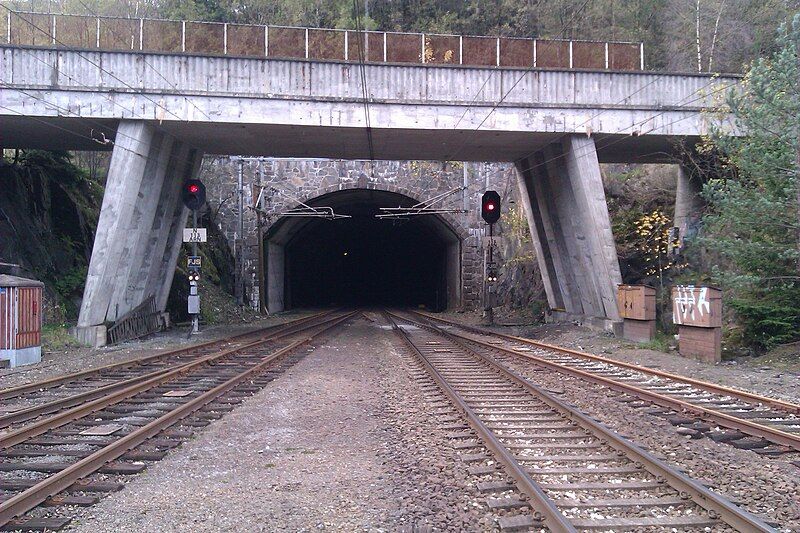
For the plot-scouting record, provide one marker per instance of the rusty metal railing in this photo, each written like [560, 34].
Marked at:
[23, 28]
[140, 321]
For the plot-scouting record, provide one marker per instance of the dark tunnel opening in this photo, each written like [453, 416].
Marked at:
[364, 260]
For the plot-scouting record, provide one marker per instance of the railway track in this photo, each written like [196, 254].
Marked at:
[767, 425]
[569, 472]
[66, 458]
[27, 402]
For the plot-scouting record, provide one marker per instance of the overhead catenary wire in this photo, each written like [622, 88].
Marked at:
[61, 128]
[113, 131]
[69, 112]
[621, 139]
[61, 72]
[100, 125]
[497, 68]
[364, 88]
[131, 110]
[99, 66]
[522, 76]
[588, 120]
[517, 82]
[147, 64]
[519, 79]
[365, 94]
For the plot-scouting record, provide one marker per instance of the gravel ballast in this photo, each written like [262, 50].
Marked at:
[342, 440]
[348, 439]
[760, 376]
[766, 486]
[79, 358]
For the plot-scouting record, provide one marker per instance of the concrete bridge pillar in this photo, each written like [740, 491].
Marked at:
[276, 274]
[562, 193]
[688, 204]
[141, 223]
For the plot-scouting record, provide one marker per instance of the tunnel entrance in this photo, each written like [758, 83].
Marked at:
[363, 260]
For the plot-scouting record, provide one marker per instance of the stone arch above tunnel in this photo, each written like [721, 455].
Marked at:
[364, 260]
[286, 181]
[410, 194]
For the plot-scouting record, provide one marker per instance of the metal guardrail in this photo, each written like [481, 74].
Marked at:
[242, 40]
[140, 321]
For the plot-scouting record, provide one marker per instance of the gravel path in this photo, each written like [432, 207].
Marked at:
[341, 441]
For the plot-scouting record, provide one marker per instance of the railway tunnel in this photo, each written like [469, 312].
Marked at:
[360, 259]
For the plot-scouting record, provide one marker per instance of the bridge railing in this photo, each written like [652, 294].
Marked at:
[243, 40]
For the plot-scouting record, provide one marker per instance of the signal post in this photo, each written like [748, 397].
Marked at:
[490, 212]
[194, 197]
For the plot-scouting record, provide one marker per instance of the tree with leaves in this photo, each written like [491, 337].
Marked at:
[754, 218]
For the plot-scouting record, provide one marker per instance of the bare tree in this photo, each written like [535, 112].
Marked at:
[714, 36]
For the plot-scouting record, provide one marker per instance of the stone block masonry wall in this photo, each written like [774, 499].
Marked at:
[287, 181]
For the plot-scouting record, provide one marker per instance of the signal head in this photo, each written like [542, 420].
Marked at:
[193, 194]
[490, 207]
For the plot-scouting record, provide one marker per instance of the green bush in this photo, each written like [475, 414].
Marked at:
[765, 325]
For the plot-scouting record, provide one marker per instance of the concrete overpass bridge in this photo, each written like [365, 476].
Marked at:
[159, 112]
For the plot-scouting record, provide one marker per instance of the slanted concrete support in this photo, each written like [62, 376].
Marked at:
[169, 224]
[141, 223]
[564, 201]
[276, 274]
[453, 280]
[688, 204]
[126, 293]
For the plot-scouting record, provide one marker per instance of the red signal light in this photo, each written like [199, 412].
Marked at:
[490, 207]
[193, 194]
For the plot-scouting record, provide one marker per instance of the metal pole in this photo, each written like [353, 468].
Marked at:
[262, 305]
[195, 317]
[240, 241]
[490, 268]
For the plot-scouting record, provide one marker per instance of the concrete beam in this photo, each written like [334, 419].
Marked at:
[539, 222]
[169, 208]
[127, 293]
[584, 174]
[164, 270]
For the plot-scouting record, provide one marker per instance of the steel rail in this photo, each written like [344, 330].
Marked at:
[545, 510]
[21, 415]
[19, 390]
[705, 385]
[745, 426]
[42, 426]
[52, 485]
[709, 500]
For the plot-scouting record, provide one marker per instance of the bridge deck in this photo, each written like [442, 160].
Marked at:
[68, 98]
